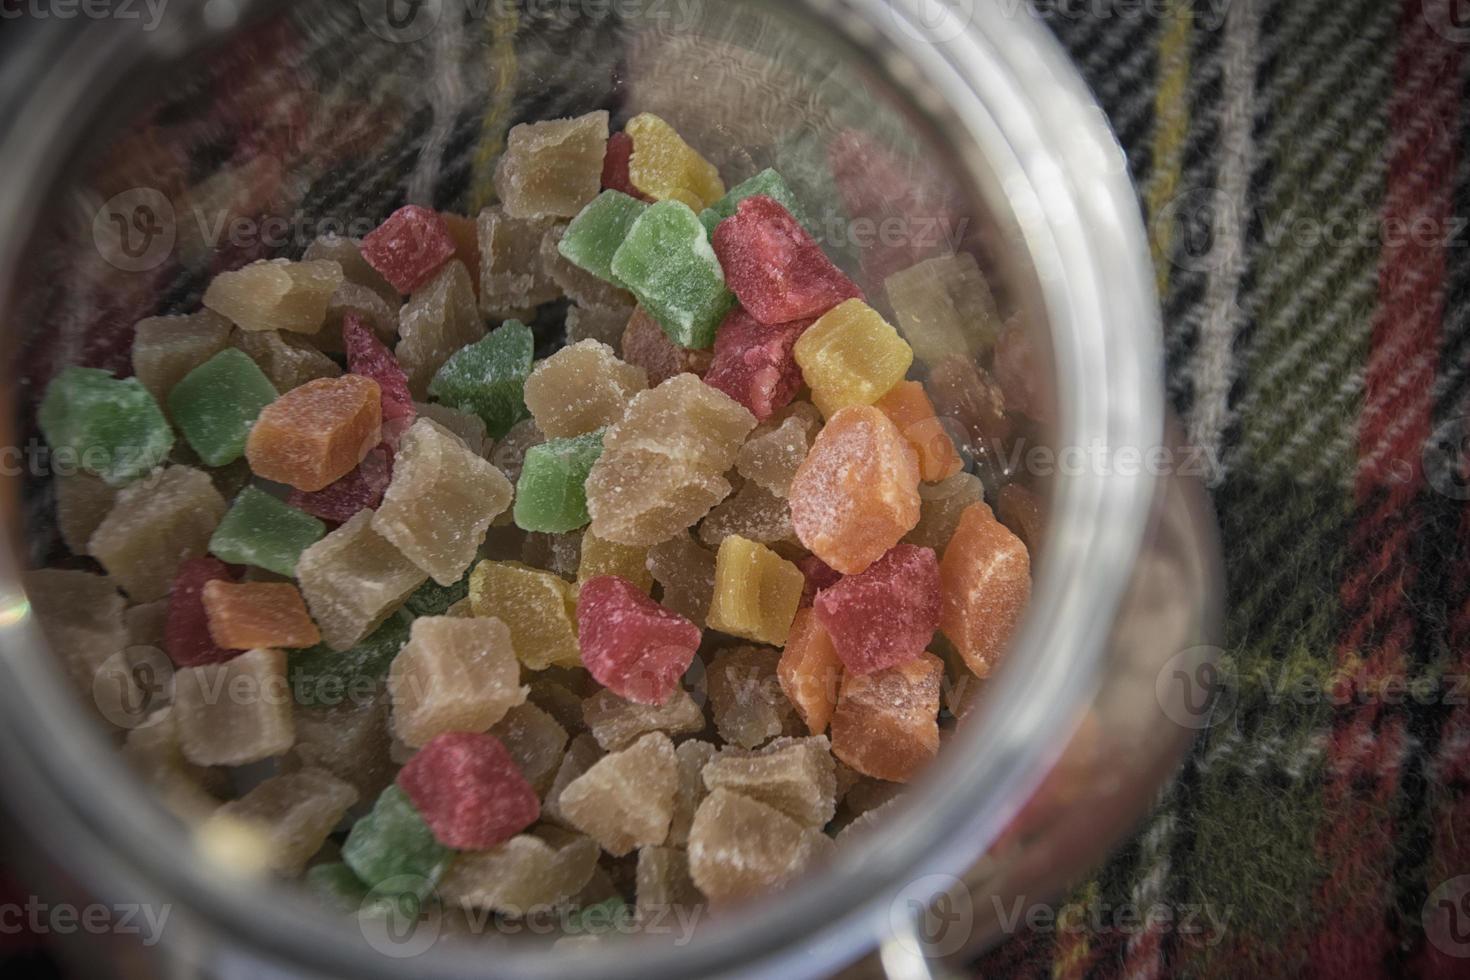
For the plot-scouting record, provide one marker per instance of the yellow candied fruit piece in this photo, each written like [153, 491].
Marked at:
[668, 169]
[852, 356]
[757, 592]
[538, 607]
[603, 557]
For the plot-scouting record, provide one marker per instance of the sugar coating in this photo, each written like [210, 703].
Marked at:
[469, 791]
[581, 388]
[754, 364]
[775, 267]
[82, 502]
[886, 723]
[684, 418]
[965, 393]
[767, 183]
[524, 874]
[470, 428]
[886, 615]
[513, 273]
[617, 722]
[796, 776]
[453, 675]
[630, 644]
[552, 168]
[757, 592]
[154, 525]
[581, 753]
[409, 247]
[369, 357]
[668, 264]
[810, 671]
[575, 282]
[940, 508]
[944, 307]
[248, 615]
[857, 493]
[350, 299]
[347, 253]
[234, 713]
[441, 502]
[353, 579]
[1023, 512]
[776, 450]
[663, 884]
[908, 406]
[316, 434]
[753, 513]
[746, 698]
[602, 557]
[186, 636]
[740, 847]
[852, 356]
[465, 233]
[322, 677]
[559, 554]
[986, 575]
[393, 845]
[509, 454]
[551, 494]
[216, 405]
[294, 812]
[349, 740]
[287, 360]
[81, 617]
[596, 234]
[626, 799]
[110, 427]
[604, 324]
[686, 573]
[643, 498]
[692, 755]
[538, 607]
[488, 377]
[167, 348]
[441, 317]
[644, 343]
[535, 741]
[362, 489]
[275, 294]
[666, 168]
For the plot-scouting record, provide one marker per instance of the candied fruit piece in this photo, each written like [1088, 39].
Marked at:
[595, 235]
[469, 791]
[186, 636]
[601, 557]
[752, 513]
[453, 675]
[440, 318]
[525, 874]
[394, 844]
[582, 752]
[818, 577]
[513, 274]
[286, 360]
[796, 776]
[552, 168]
[217, 403]
[347, 253]
[312, 436]
[575, 283]
[509, 455]
[470, 428]
[248, 615]
[539, 608]
[767, 183]
[910, 409]
[349, 740]
[275, 294]
[1019, 371]
[81, 617]
[941, 505]
[1022, 511]
[686, 572]
[146, 624]
[466, 234]
[757, 592]
[775, 267]
[986, 574]
[740, 847]
[322, 677]
[625, 800]
[367, 356]
[167, 348]
[645, 344]
[581, 388]
[754, 364]
[774, 453]
[262, 531]
[810, 672]
[630, 644]
[604, 324]
[617, 722]
[851, 356]
[745, 695]
[488, 378]
[535, 740]
[82, 503]
[111, 428]
[663, 884]
[692, 757]
[234, 713]
[944, 307]
[360, 490]
[152, 752]
[409, 247]
[353, 579]
[684, 418]
[441, 502]
[556, 553]
[963, 392]
[336, 887]
[615, 165]
[155, 525]
[294, 812]
[857, 493]
[886, 615]
[666, 168]
[667, 262]
[551, 496]
[643, 498]
[886, 724]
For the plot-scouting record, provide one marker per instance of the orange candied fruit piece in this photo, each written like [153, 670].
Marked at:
[887, 723]
[809, 671]
[314, 435]
[258, 615]
[857, 493]
[985, 580]
[911, 410]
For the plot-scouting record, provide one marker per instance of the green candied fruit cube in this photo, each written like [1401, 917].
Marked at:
[488, 378]
[336, 887]
[433, 599]
[392, 846]
[767, 183]
[669, 264]
[111, 427]
[264, 531]
[321, 677]
[551, 496]
[217, 403]
[595, 235]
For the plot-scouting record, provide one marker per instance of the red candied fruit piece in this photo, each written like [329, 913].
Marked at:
[369, 357]
[630, 644]
[362, 489]
[819, 576]
[775, 267]
[408, 248]
[186, 636]
[753, 363]
[615, 172]
[469, 791]
[887, 615]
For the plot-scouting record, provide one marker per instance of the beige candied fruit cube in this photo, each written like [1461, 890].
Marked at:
[353, 579]
[155, 524]
[275, 294]
[796, 776]
[626, 799]
[439, 319]
[81, 617]
[512, 274]
[453, 675]
[236, 712]
[664, 886]
[581, 388]
[617, 723]
[294, 813]
[82, 503]
[535, 741]
[166, 348]
[529, 872]
[741, 848]
[746, 698]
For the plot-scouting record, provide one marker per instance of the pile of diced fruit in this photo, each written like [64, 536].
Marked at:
[648, 620]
